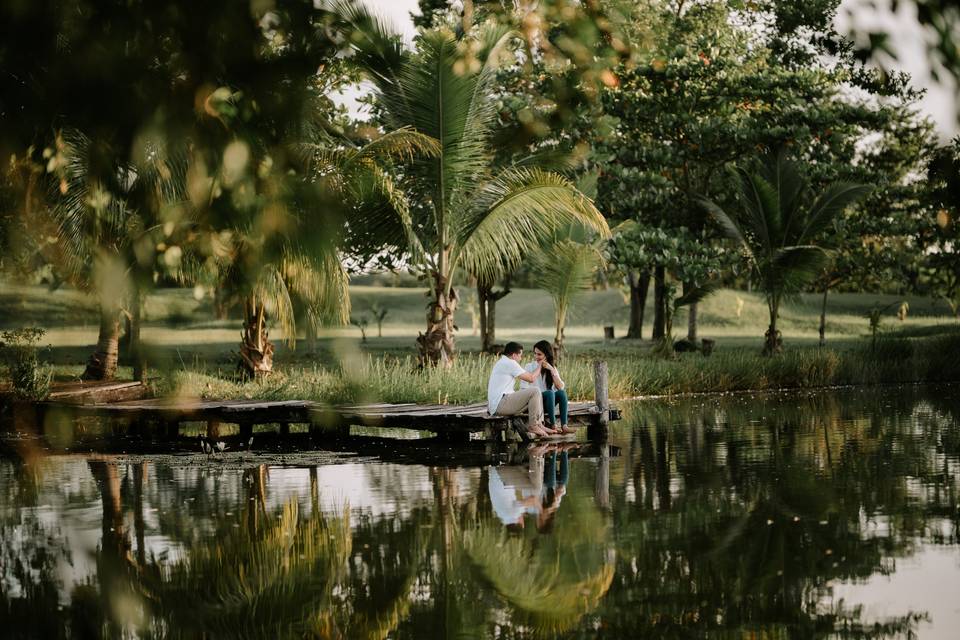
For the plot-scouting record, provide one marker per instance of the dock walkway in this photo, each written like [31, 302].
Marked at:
[454, 421]
[124, 406]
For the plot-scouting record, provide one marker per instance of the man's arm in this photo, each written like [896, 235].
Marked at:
[529, 376]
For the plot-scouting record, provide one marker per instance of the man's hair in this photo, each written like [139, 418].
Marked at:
[511, 348]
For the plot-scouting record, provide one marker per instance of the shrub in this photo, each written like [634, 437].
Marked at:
[29, 379]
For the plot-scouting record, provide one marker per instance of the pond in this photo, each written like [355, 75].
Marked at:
[831, 514]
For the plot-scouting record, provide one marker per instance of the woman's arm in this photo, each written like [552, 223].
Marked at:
[557, 382]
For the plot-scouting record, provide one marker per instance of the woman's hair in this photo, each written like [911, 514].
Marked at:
[547, 350]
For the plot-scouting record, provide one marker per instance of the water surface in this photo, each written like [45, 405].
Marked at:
[829, 515]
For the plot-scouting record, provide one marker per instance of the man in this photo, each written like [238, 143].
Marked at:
[504, 401]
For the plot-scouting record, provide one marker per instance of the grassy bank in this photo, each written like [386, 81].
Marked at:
[367, 378]
[194, 354]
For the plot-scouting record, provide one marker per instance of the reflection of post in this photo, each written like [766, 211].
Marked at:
[601, 388]
[255, 480]
[601, 490]
[139, 473]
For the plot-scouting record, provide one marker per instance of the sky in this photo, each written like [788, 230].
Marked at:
[906, 36]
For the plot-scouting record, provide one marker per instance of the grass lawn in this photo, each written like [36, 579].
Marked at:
[193, 352]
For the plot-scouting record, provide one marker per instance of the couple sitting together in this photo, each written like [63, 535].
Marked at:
[540, 387]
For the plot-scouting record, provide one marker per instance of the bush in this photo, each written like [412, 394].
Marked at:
[29, 379]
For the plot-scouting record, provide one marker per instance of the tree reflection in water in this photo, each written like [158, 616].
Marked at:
[722, 518]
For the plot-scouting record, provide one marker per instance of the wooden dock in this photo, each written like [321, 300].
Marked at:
[448, 421]
[123, 407]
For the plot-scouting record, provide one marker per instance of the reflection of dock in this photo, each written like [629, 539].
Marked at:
[146, 418]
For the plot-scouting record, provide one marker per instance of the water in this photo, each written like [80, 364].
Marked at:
[828, 515]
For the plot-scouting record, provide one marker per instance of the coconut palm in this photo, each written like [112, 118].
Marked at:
[778, 224]
[279, 268]
[108, 221]
[467, 213]
[564, 269]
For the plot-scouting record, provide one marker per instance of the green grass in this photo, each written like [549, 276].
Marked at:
[193, 352]
[369, 378]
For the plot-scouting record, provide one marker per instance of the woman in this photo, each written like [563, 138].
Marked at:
[551, 386]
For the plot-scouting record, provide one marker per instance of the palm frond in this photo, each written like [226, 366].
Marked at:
[788, 184]
[729, 223]
[377, 47]
[402, 144]
[794, 268]
[830, 204]
[697, 294]
[271, 288]
[565, 269]
[514, 214]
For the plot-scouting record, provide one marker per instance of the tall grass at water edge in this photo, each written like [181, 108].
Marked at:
[397, 380]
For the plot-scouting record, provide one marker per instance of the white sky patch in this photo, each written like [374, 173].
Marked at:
[910, 41]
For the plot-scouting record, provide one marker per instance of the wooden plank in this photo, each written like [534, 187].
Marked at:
[92, 392]
[441, 419]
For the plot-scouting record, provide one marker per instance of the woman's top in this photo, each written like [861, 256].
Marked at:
[540, 383]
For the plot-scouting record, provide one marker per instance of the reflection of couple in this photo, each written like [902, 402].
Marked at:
[540, 387]
[536, 490]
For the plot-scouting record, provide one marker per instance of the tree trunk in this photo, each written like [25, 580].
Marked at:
[659, 302]
[691, 315]
[558, 339]
[773, 344]
[137, 354]
[483, 291]
[310, 334]
[823, 319]
[256, 350]
[103, 363]
[490, 336]
[437, 344]
[639, 286]
[487, 300]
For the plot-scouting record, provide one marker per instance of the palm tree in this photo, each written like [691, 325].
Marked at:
[107, 216]
[468, 214]
[778, 225]
[291, 265]
[564, 269]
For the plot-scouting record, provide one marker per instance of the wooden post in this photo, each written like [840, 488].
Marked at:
[601, 391]
[213, 429]
[246, 431]
[284, 429]
[172, 428]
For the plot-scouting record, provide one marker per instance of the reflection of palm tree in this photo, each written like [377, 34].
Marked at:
[272, 578]
[552, 582]
[551, 586]
[117, 571]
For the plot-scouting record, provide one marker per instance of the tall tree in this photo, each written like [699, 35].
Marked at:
[465, 212]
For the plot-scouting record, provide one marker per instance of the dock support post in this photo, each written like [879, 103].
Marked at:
[601, 389]
[246, 431]
[284, 429]
[213, 429]
[171, 429]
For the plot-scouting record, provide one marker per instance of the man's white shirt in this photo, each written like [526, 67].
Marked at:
[501, 382]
